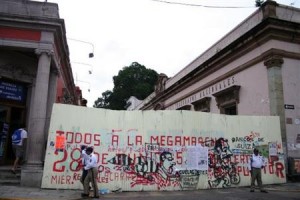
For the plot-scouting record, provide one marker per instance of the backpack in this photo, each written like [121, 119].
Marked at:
[16, 136]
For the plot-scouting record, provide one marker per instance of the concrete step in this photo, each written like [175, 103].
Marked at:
[9, 178]
[10, 182]
[9, 175]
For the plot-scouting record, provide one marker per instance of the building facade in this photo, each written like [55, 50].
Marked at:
[132, 102]
[35, 72]
[253, 70]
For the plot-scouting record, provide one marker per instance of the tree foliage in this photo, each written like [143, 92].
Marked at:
[103, 102]
[258, 3]
[134, 80]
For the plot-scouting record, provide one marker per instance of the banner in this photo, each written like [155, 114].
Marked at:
[160, 150]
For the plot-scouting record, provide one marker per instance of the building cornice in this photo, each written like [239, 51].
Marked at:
[268, 29]
[44, 24]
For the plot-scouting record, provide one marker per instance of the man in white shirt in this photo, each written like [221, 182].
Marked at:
[256, 163]
[19, 142]
[92, 168]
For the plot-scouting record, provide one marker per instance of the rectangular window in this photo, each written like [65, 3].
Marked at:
[231, 110]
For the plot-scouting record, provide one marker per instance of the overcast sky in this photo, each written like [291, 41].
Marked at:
[162, 36]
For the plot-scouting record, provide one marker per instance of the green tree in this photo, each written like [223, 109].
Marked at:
[258, 3]
[134, 80]
[103, 102]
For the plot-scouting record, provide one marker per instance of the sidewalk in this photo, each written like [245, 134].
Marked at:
[18, 192]
[286, 187]
[26, 193]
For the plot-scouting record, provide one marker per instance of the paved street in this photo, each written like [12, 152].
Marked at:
[225, 194]
[288, 191]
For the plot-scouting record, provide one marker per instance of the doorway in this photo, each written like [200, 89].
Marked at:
[11, 118]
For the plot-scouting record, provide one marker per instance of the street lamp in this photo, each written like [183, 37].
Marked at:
[80, 63]
[91, 55]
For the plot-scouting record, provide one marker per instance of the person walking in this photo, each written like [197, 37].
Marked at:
[19, 141]
[85, 159]
[92, 169]
[256, 163]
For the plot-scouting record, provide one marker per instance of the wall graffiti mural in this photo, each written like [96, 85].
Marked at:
[161, 150]
[221, 165]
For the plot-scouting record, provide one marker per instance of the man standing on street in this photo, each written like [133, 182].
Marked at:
[92, 168]
[256, 163]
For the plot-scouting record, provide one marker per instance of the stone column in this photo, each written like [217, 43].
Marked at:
[33, 170]
[274, 66]
[51, 100]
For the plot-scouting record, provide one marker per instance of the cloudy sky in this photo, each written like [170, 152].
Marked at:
[162, 36]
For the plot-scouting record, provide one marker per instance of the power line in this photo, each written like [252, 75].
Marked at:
[199, 5]
[293, 3]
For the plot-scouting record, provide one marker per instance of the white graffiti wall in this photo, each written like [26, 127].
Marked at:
[160, 150]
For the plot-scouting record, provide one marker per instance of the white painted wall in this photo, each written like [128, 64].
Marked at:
[148, 150]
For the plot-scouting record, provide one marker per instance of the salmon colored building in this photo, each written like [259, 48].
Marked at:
[35, 72]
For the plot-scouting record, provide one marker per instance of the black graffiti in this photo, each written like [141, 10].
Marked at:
[150, 147]
[191, 172]
[146, 169]
[189, 182]
[224, 170]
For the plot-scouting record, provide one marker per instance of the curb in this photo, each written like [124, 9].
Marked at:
[282, 189]
[11, 198]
